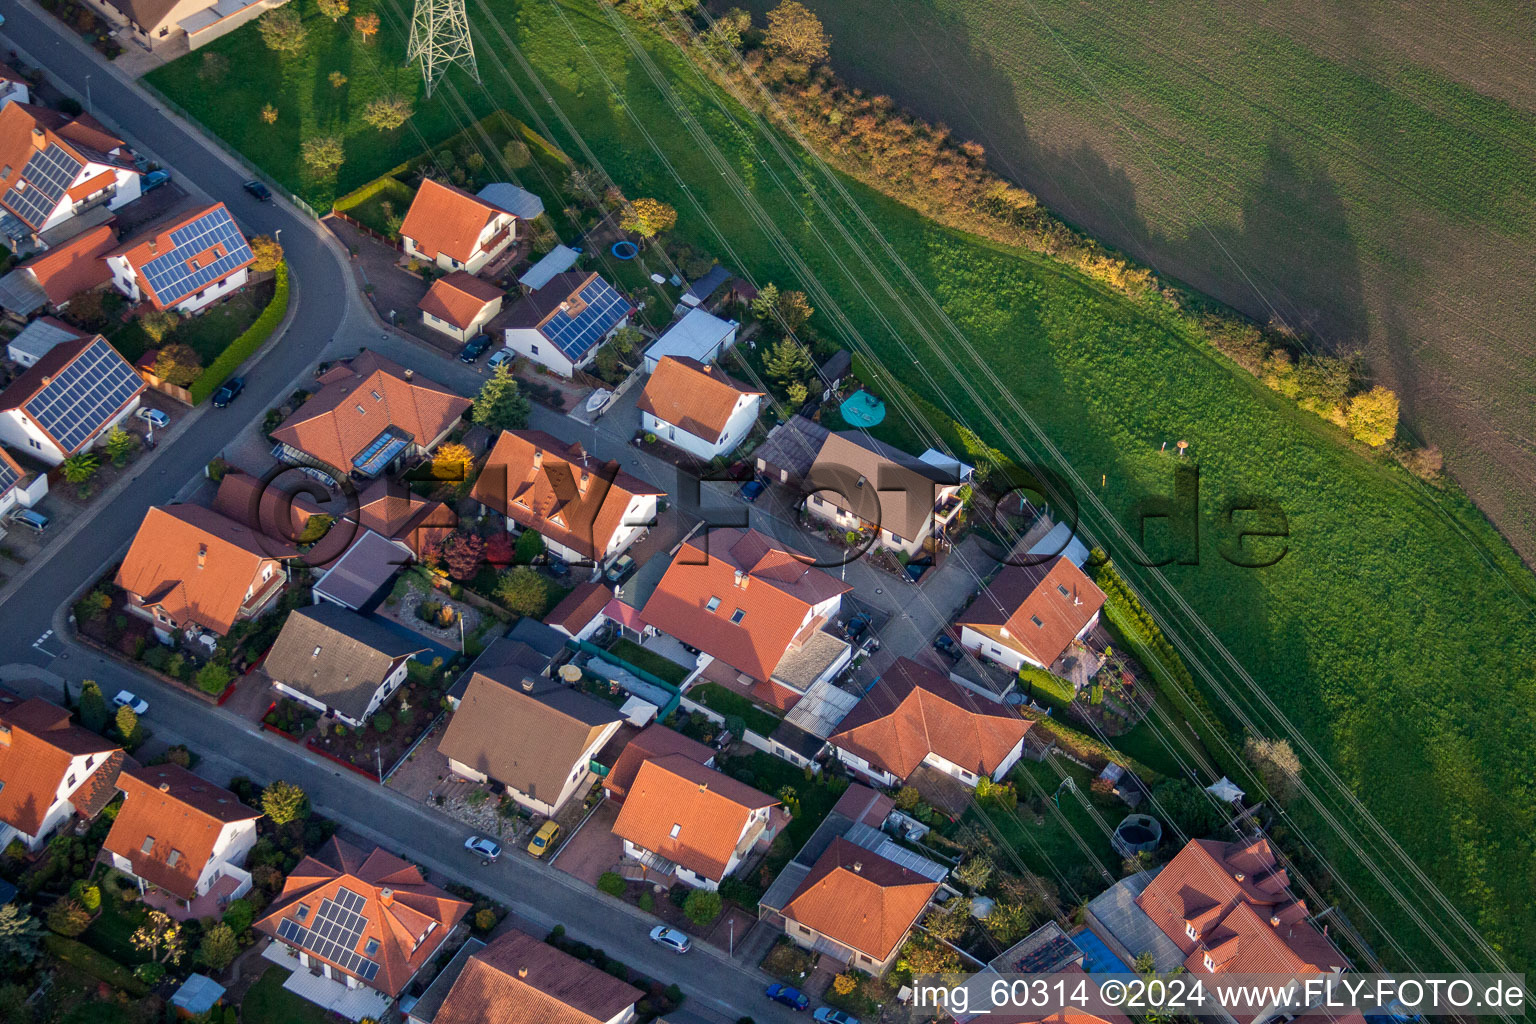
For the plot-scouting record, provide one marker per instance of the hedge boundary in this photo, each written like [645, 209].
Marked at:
[97, 965]
[243, 347]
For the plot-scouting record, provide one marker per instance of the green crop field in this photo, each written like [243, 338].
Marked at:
[1366, 172]
[1396, 633]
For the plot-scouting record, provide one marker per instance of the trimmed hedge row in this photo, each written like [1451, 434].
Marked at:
[1048, 689]
[244, 346]
[97, 965]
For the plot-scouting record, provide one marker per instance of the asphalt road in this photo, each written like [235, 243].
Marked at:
[327, 312]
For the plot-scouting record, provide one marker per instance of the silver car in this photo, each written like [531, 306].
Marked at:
[673, 939]
[484, 847]
[128, 699]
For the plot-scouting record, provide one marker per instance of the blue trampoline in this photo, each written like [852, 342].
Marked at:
[862, 409]
[625, 250]
[1097, 957]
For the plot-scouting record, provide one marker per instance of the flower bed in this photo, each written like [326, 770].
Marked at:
[372, 749]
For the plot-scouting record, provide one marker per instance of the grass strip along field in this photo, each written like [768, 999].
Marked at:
[1395, 632]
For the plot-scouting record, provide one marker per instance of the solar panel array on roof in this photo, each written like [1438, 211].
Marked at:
[43, 181]
[8, 476]
[1048, 957]
[602, 309]
[338, 927]
[878, 843]
[173, 275]
[84, 396]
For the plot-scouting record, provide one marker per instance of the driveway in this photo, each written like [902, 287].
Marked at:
[594, 849]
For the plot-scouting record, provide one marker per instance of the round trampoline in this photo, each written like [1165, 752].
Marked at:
[1137, 833]
[625, 250]
[862, 409]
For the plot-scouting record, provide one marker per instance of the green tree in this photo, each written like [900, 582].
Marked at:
[907, 797]
[1372, 416]
[522, 590]
[157, 324]
[648, 217]
[151, 973]
[337, 79]
[333, 9]
[607, 360]
[20, 936]
[452, 461]
[68, 917]
[796, 33]
[500, 405]
[1008, 922]
[80, 467]
[766, 301]
[15, 1004]
[975, 872]
[213, 678]
[283, 30]
[611, 882]
[269, 254]
[702, 906]
[625, 339]
[661, 8]
[386, 113]
[127, 721]
[159, 937]
[93, 706]
[949, 921]
[119, 445]
[723, 40]
[794, 309]
[788, 362]
[530, 545]
[239, 915]
[284, 802]
[797, 393]
[323, 153]
[516, 154]
[367, 25]
[1277, 765]
[218, 948]
[179, 364]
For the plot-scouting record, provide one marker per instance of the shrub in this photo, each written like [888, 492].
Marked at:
[90, 897]
[647, 901]
[68, 917]
[383, 722]
[239, 915]
[702, 906]
[214, 678]
[611, 883]
[485, 919]
[244, 346]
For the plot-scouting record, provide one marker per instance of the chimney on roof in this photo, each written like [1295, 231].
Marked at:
[39, 138]
[538, 457]
[202, 555]
[703, 787]
[387, 897]
[1274, 920]
[1239, 876]
[527, 684]
[522, 972]
[858, 866]
[47, 380]
[165, 787]
[741, 579]
[565, 307]
[409, 373]
[5, 734]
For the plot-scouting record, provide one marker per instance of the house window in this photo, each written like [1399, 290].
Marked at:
[1036, 620]
[676, 828]
[266, 574]
[372, 948]
[173, 859]
[535, 349]
[1210, 964]
[71, 779]
[33, 443]
[149, 844]
[738, 615]
[1063, 590]
[895, 539]
[302, 912]
[712, 604]
[90, 761]
[1189, 929]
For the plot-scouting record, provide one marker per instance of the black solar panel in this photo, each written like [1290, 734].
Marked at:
[43, 182]
[172, 276]
[334, 937]
[603, 309]
[83, 397]
[8, 477]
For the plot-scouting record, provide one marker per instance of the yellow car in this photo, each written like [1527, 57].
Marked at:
[540, 843]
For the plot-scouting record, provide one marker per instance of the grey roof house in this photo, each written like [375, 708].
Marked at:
[338, 661]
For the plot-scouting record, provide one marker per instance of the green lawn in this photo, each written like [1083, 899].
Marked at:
[664, 669]
[718, 698]
[267, 1002]
[1396, 632]
[1049, 849]
[208, 333]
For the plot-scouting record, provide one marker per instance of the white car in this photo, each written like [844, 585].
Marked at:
[501, 355]
[673, 939]
[482, 846]
[127, 699]
[154, 417]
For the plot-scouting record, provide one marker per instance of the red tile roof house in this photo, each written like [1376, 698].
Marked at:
[655, 740]
[52, 278]
[587, 511]
[54, 168]
[697, 408]
[519, 979]
[1216, 908]
[755, 610]
[459, 305]
[858, 483]
[18, 486]
[369, 416]
[68, 400]
[580, 613]
[356, 926]
[183, 839]
[914, 716]
[185, 262]
[50, 770]
[561, 324]
[453, 229]
[191, 569]
[1031, 614]
[691, 822]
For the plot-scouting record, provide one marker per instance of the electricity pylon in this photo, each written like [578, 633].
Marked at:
[439, 38]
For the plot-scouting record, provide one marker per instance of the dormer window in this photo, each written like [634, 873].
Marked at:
[1062, 590]
[316, 654]
[173, 859]
[376, 396]
[676, 828]
[302, 911]
[1210, 964]
[712, 604]
[361, 411]
[1189, 929]
[149, 844]
[372, 948]
[738, 615]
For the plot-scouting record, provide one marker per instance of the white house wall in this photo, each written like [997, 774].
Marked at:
[18, 431]
[214, 292]
[994, 650]
[527, 342]
[736, 429]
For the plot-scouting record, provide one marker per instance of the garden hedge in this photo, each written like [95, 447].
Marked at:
[243, 347]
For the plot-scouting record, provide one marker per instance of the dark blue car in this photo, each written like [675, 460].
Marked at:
[790, 997]
[751, 490]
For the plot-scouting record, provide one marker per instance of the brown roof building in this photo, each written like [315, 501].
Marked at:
[531, 733]
[583, 508]
[394, 512]
[704, 403]
[578, 611]
[181, 834]
[338, 661]
[366, 915]
[755, 606]
[655, 740]
[368, 414]
[914, 716]
[518, 979]
[50, 769]
[189, 566]
[859, 900]
[75, 266]
[681, 816]
[1030, 614]
[459, 304]
[453, 229]
[858, 482]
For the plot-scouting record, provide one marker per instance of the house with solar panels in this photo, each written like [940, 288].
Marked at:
[455, 230]
[184, 263]
[68, 400]
[356, 926]
[53, 169]
[19, 488]
[562, 324]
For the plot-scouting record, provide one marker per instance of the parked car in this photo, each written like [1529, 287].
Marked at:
[790, 997]
[622, 569]
[673, 939]
[945, 644]
[258, 190]
[501, 355]
[153, 180]
[482, 846]
[856, 627]
[228, 392]
[30, 518]
[540, 843]
[128, 699]
[475, 348]
[827, 1015]
[154, 417]
[752, 490]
